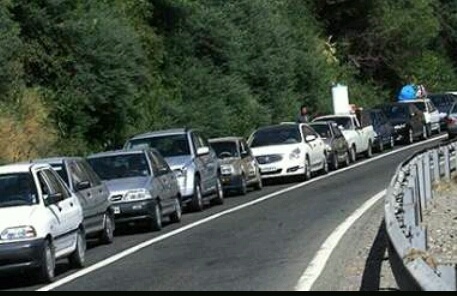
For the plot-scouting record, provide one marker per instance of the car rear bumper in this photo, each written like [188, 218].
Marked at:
[21, 255]
[133, 211]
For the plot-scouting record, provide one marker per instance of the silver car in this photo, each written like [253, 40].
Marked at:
[239, 168]
[142, 186]
[91, 192]
[192, 159]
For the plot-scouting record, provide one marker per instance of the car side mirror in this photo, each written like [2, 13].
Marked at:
[310, 138]
[83, 185]
[54, 199]
[202, 151]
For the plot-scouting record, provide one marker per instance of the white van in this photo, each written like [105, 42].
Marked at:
[41, 221]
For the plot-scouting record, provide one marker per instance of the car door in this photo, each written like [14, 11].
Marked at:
[362, 144]
[166, 178]
[159, 181]
[77, 177]
[207, 167]
[63, 206]
[315, 148]
[99, 194]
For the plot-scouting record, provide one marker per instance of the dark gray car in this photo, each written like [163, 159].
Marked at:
[92, 193]
[142, 186]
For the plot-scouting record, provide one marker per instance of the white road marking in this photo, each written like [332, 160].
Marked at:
[317, 265]
[128, 252]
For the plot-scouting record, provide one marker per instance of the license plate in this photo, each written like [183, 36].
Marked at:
[117, 210]
[268, 170]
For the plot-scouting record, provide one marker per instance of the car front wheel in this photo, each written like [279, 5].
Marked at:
[48, 265]
[219, 199]
[78, 258]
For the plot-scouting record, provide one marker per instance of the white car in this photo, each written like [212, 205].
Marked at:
[360, 138]
[432, 116]
[289, 149]
[41, 221]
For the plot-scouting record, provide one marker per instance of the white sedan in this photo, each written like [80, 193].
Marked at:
[289, 149]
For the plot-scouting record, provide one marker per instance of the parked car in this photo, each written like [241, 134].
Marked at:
[408, 121]
[360, 138]
[92, 193]
[430, 113]
[443, 102]
[384, 130]
[239, 168]
[42, 221]
[142, 186]
[288, 150]
[335, 143]
[451, 121]
[192, 159]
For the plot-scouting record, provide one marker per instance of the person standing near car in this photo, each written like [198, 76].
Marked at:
[303, 117]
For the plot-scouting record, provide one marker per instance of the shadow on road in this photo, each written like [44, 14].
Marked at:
[371, 279]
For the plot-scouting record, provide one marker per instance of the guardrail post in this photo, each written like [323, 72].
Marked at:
[421, 182]
[436, 166]
[427, 180]
[447, 164]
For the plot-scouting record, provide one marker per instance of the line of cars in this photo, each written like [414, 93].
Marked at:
[51, 207]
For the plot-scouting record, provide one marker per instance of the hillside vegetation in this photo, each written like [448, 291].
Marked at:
[80, 75]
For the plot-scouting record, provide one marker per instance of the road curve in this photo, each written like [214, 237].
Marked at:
[266, 246]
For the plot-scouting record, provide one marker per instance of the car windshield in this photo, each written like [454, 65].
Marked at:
[120, 166]
[323, 130]
[225, 149]
[278, 135]
[17, 190]
[396, 111]
[168, 146]
[443, 103]
[345, 122]
[61, 171]
[421, 106]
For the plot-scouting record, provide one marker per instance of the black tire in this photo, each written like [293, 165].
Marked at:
[46, 273]
[107, 235]
[259, 185]
[410, 136]
[197, 199]
[352, 154]
[155, 223]
[325, 170]
[335, 162]
[425, 132]
[176, 216]
[347, 159]
[219, 199]
[308, 174]
[369, 153]
[78, 257]
[381, 146]
[243, 190]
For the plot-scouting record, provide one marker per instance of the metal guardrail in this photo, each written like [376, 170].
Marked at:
[408, 196]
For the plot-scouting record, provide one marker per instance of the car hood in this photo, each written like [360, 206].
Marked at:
[178, 162]
[229, 160]
[276, 149]
[17, 216]
[126, 184]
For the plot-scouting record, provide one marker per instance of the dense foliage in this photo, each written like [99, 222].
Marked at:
[81, 75]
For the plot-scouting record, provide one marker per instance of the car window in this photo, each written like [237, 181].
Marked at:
[307, 131]
[61, 170]
[120, 166]
[225, 149]
[50, 184]
[94, 178]
[431, 107]
[168, 145]
[18, 189]
[324, 130]
[196, 141]
[77, 174]
[276, 135]
[160, 164]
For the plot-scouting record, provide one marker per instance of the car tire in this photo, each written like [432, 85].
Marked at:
[107, 235]
[410, 137]
[197, 199]
[155, 223]
[381, 146]
[78, 257]
[308, 173]
[176, 216]
[325, 170]
[347, 159]
[352, 154]
[425, 132]
[259, 184]
[335, 162]
[46, 273]
[219, 199]
[243, 190]
[369, 153]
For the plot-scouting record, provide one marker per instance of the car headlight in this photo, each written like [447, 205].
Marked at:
[181, 173]
[136, 195]
[18, 233]
[295, 154]
[227, 169]
[400, 126]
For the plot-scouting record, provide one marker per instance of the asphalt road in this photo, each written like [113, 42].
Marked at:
[266, 246]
